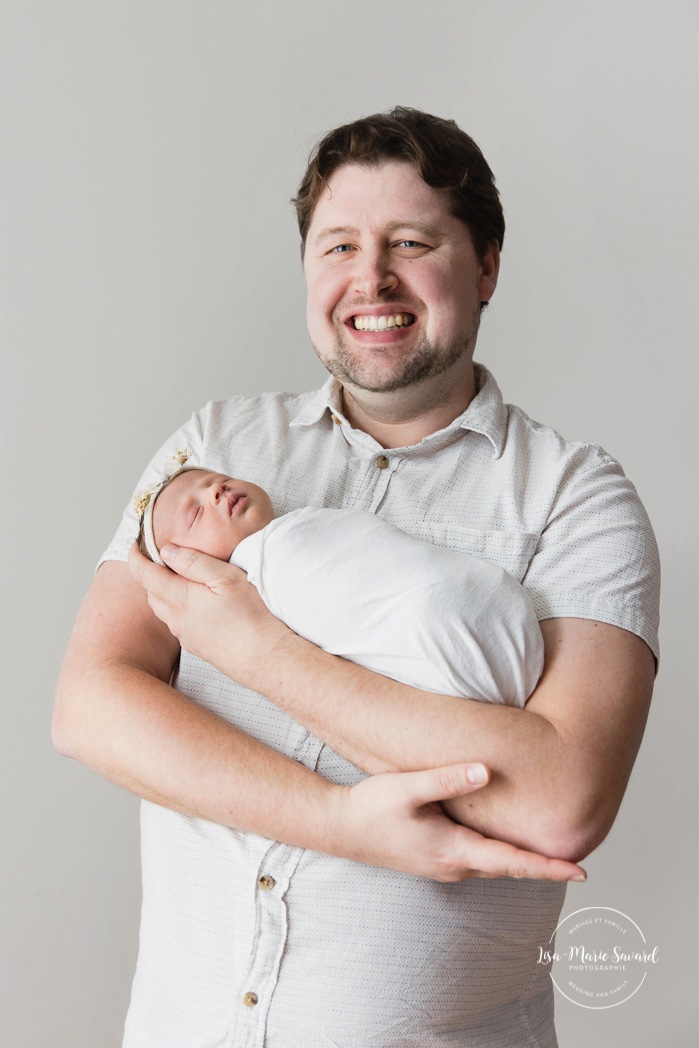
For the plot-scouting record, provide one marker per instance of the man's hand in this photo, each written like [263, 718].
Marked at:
[396, 821]
[211, 608]
[116, 713]
[218, 615]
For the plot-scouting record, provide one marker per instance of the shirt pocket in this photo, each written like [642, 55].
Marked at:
[512, 550]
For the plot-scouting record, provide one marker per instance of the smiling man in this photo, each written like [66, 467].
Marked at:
[300, 884]
[394, 302]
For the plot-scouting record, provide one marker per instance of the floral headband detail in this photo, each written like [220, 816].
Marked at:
[143, 501]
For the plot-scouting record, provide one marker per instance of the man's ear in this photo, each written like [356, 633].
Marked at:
[490, 268]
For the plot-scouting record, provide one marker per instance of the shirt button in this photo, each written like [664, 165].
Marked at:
[250, 1000]
[266, 882]
[337, 421]
[381, 461]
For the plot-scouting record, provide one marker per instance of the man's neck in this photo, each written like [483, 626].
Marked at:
[405, 417]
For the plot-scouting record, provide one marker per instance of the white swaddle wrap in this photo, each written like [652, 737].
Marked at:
[435, 618]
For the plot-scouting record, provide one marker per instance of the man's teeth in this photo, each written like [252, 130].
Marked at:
[383, 323]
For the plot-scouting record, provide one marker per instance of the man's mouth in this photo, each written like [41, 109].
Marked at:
[367, 322]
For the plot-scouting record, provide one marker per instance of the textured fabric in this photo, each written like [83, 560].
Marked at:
[340, 954]
[434, 618]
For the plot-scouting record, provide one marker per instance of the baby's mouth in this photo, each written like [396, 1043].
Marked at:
[367, 322]
[233, 502]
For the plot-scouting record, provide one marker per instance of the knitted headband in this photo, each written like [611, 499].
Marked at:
[144, 501]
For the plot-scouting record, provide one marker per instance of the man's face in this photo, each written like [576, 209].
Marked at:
[209, 512]
[394, 282]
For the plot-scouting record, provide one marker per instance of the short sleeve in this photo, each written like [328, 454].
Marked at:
[597, 557]
[188, 437]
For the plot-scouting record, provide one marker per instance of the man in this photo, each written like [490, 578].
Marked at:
[345, 910]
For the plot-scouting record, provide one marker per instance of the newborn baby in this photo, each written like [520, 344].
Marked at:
[357, 586]
[205, 511]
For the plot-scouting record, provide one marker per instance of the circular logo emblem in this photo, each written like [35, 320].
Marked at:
[601, 957]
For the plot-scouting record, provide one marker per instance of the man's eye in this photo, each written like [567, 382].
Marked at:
[340, 249]
[410, 243]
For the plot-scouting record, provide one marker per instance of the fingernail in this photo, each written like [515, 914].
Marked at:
[168, 552]
[579, 877]
[477, 774]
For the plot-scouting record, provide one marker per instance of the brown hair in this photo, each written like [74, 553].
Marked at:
[445, 156]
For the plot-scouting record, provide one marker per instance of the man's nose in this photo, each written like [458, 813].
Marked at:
[374, 274]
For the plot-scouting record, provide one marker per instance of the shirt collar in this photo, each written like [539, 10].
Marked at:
[486, 414]
[327, 398]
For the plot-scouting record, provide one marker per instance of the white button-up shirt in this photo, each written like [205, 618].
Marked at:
[248, 942]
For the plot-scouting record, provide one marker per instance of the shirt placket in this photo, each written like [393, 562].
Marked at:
[272, 876]
[384, 465]
[378, 469]
[255, 993]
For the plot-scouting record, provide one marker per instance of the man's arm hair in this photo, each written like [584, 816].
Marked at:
[116, 712]
[559, 766]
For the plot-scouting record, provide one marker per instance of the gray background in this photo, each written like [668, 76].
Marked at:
[150, 262]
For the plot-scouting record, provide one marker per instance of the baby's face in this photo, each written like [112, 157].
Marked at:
[209, 512]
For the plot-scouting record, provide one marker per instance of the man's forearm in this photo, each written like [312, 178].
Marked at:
[116, 713]
[560, 766]
[382, 725]
[148, 738]
[140, 733]
[551, 790]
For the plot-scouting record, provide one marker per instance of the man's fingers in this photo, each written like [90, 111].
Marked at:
[491, 858]
[143, 569]
[189, 564]
[165, 591]
[199, 567]
[441, 784]
[498, 859]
